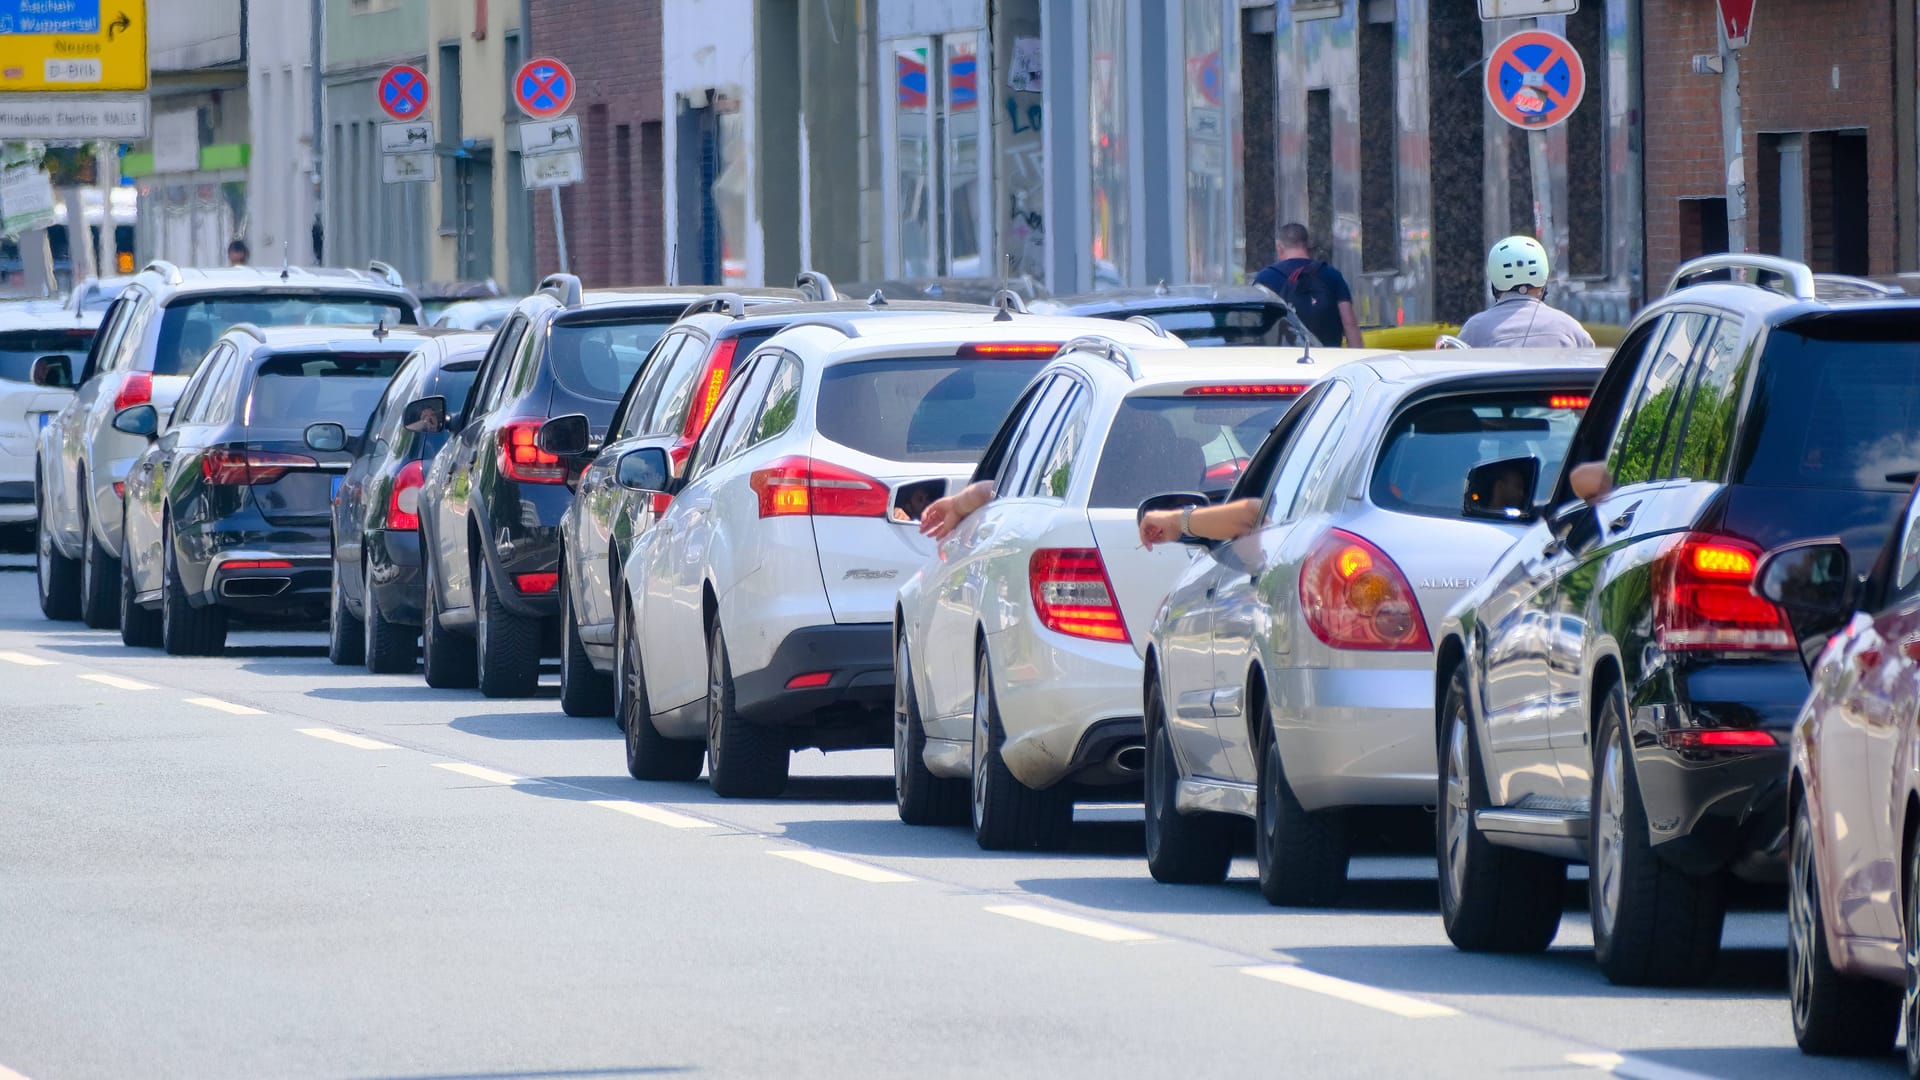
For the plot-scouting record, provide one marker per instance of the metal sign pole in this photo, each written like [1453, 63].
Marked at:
[1733, 143]
[559, 229]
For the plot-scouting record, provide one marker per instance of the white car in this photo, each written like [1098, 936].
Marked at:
[756, 614]
[39, 354]
[1024, 638]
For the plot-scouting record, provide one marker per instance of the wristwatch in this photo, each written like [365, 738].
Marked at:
[1186, 521]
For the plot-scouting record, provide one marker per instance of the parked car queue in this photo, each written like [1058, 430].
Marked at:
[1570, 600]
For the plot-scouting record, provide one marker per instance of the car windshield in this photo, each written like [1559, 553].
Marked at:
[599, 359]
[1424, 460]
[294, 390]
[921, 409]
[20, 348]
[1241, 324]
[190, 326]
[1187, 443]
[1835, 413]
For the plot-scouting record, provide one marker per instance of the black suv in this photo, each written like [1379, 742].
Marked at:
[1614, 692]
[1200, 315]
[491, 506]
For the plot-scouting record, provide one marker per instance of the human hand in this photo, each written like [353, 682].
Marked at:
[940, 517]
[1159, 527]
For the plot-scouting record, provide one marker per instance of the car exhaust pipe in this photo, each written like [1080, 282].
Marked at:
[254, 586]
[1129, 760]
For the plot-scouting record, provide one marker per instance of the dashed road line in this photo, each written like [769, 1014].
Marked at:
[344, 738]
[118, 682]
[834, 864]
[649, 812]
[9, 1074]
[1072, 924]
[1411, 1008]
[478, 772]
[1632, 1068]
[27, 659]
[224, 706]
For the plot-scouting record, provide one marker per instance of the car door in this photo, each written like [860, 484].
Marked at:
[73, 420]
[450, 484]
[145, 501]
[356, 486]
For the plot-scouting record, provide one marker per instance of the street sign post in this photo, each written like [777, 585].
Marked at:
[1495, 10]
[73, 46]
[1535, 79]
[406, 146]
[550, 142]
[1736, 21]
[403, 92]
[406, 138]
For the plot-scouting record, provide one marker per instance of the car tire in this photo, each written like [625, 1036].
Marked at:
[1492, 898]
[139, 626]
[1833, 1013]
[1653, 925]
[650, 755]
[584, 689]
[184, 629]
[744, 760]
[1302, 854]
[1910, 1007]
[1182, 849]
[506, 646]
[920, 797]
[57, 577]
[446, 658]
[346, 637]
[99, 580]
[388, 648]
[1006, 813]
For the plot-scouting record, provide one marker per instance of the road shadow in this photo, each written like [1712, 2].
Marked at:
[1558, 972]
[376, 694]
[536, 725]
[1236, 896]
[592, 788]
[1767, 1061]
[888, 837]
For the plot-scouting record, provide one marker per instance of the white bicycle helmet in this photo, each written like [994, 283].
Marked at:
[1515, 261]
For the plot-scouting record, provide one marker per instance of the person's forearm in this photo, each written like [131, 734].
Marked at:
[1228, 521]
[973, 497]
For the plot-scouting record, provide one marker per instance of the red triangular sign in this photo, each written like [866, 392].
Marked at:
[1736, 18]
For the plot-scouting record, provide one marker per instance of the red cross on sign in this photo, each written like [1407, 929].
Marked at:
[1535, 79]
[1736, 21]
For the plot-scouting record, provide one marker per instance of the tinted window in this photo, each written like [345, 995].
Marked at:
[1162, 444]
[1423, 463]
[599, 360]
[1042, 411]
[292, 391]
[1835, 414]
[1707, 435]
[927, 409]
[452, 382]
[1907, 569]
[1643, 446]
[20, 348]
[1319, 434]
[782, 404]
[192, 324]
[1256, 324]
[1053, 470]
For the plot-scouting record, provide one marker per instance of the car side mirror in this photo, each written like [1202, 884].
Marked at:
[565, 436]
[644, 468]
[1813, 577]
[425, 414]
[141, 420]
[1174, 500]
[326, 437]
[54, 371]
[1502, 490]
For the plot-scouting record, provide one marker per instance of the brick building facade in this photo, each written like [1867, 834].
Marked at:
[615, 226]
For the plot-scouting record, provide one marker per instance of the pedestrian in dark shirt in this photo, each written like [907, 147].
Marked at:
[1317, 291]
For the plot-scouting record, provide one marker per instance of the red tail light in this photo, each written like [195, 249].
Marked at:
[1073, 596]
[136, 390]
[1007, 349]
[678, 453]
[713, 383]
[1719, 739]
[256, 564]
[1576, 402]
[801, 485]
[1703, 598]
[536, 583]
[236, 468]
[1248, 390]
[1354, 597]
[522, 460]
[810, 680]
[403, 502]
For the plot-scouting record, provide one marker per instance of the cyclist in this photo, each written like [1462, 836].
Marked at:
[1520, 315]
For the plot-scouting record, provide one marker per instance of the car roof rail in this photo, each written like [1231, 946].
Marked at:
[730, 304]
[815, 285]
[1142, 320]
[167, 271]
[388, 273]
[1108, 349]
[252, 330]
[1009, 303]
[1796, 276]
[564, 287]
[1849, 287]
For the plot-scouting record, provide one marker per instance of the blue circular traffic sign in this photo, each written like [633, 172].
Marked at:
[403, 92]
[543, 88]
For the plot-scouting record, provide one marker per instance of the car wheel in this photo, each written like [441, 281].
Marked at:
[1007, 813]
[744, 760]
[1492, 898]
[99, 580]
[57, 576]
[139, 626]
[184, 629]
[920, 797]
[506, 645]
[346, 637]
[1910, 1002]
[388, 648]
[446, 658]
[650, 755]
[1652, 924]
[1832, 1013]
[584, 689]
[1302, 854]
[1182, 849]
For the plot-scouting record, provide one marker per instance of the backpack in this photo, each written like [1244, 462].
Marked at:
[1310, 296]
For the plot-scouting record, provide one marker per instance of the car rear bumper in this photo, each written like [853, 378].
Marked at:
[294, 585]
[857, 660]
[1357, 736]
[395, 575]
[1053, 692]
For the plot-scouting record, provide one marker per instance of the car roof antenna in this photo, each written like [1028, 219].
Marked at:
[286, 260]
[380, 329]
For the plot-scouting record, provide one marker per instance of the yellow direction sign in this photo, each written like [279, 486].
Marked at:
[73, 46]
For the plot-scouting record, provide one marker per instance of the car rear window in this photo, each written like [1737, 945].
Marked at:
[921, 409]
[1187, 443]
[294, 390]
[20, 348]
[1835, 413]
[190, 325]
[599, 359]
[1244, 324]
[1424, 459]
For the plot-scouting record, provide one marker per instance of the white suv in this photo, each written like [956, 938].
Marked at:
[755, 616]
[1025, 637]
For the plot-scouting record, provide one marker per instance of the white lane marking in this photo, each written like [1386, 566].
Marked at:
[655, 814]
[224, 706]
[1072, 924]
[1632, 1068]
[9, 1074]
[358, 742]
[26, 660]
[478, 772]
[834, 864]
[119, 683]
[1300, 978]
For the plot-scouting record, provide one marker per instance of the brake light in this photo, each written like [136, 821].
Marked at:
[1718, 739]
[713, 383]
[1073, 595]
[137, 389]
[810, 680]
[1248, 390]
[1354, 597]
[1226, 470]
[521, 459]
[403, 502]
[1569, 401]
[1703, 598]
[256, 564]
[238, 468]
[119, 489]
[803, 485]
[536, 583]
[1003, 349]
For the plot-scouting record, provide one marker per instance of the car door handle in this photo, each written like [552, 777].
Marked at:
[1625, 519]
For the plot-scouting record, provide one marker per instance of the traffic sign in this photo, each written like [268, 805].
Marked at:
[406, 138]
[1495, 10]
[403, 92]
[1736, 21]
[549, 136]
[52, 116]
[1535, 79]
[70, 46]
[543, 88]
[552, 170]
[412, 167]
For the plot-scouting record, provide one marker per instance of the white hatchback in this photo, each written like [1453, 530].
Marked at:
[39, 354]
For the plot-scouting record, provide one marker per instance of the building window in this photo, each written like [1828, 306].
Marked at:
[1107, 116]
[1703, 226]
[1379, 139]
[1837, 201]
[913, 181]
[447, 89]
[1209, 87]
[940, 184]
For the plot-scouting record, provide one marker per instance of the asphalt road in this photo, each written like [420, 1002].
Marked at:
[265, 866]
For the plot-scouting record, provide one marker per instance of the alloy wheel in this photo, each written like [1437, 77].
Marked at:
[1457, 814]
[1609, 854]
[714, 689]
[981, 747]
[1910, 1001]
[1800, 923]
